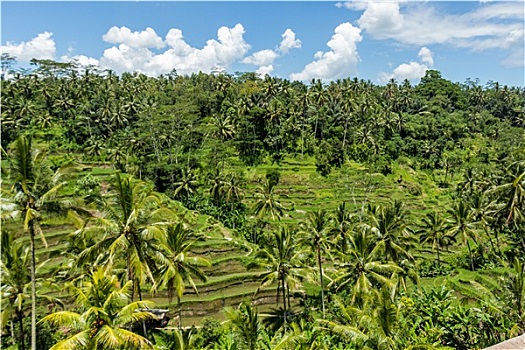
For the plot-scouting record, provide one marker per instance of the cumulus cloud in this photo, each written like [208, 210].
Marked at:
[144, 39]
[489, 26]
[426, 56]
[340, 61]
[229, 47]
[264, 59]
[81, 60]
[41, 47]
[289, 41]
[412, 71]
[261, 58]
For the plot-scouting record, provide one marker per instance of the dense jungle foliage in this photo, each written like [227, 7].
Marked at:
[366, 216]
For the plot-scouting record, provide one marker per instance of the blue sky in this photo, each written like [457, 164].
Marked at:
[295, 40]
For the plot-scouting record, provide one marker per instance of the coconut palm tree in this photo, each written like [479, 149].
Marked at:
[106, 315]
[282, 263]
[434, 231]
[35, 191]
[388, 223]
[363, 266]
[245, 321]
[267, 202]
[462, 224]
[16, 279]
[177, 266]
[315, 233]
[374, 324]
[130, 226]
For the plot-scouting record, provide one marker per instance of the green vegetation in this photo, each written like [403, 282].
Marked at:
[280, 215]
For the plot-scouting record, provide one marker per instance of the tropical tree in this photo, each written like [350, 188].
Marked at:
[462, 224]
[267, 202]
[16, 280]
[106, 315]
[434, 231]
[388, 223]
[35, 191]
[245, 321]
[315, 233]
[341, 226]
[282, 263]
[177, 266]
[130, 225]
[363, 266]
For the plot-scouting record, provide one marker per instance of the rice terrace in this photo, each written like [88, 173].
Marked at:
[319, 175]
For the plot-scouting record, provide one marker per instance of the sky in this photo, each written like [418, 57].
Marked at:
[297, 40]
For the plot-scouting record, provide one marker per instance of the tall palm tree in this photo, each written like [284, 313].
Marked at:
[433, 230]
[374, 324]
[363, 266]
[341, 225]
[35, 191]
[131, 226]
[315, 233]
[178, 267]
[282, 263]
[15, 266]
[245, 321]
[106, 315]
[388, 223]
[462, 224]
[267, 202]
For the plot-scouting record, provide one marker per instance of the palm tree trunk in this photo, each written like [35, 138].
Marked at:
[140, 298]
[284, 302]
[33, 286]
[321, 277]
[470, 254]
[21, 325]
[439, 261]
[180, 312]
[12, 329]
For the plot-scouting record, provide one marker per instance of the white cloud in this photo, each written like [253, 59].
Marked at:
[289, 41]
[489, 26]
[340, 61]
[144, 39]
[229, 47]
[412, 71]
[41, 47]
[426, 56]
[263, 70]
[81, 60]
[261, 58]
[265, 58]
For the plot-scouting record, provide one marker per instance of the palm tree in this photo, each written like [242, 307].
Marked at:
[462, 224]
[131, 226]
[186, 185]
[512, 193]
[35, 190]
[363, 267]
[267, 202]
[15, 266]
[282, 263]
[374, 324]
[341, 225]
[388, 223]
[177, 266]
[315, 233]
[106, 315]
[433, 230]
[245, 321]
[516, 285]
